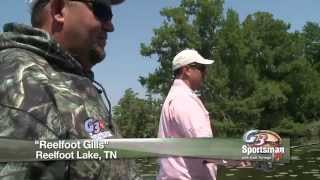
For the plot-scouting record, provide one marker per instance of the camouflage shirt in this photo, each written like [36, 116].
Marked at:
[44, 94]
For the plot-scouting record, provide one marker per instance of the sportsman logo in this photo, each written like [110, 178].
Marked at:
[262, 144]
[93, 126]
[96, 129]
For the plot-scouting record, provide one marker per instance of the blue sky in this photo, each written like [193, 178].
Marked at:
[134, 22]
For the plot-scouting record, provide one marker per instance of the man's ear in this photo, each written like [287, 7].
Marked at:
[57, 7]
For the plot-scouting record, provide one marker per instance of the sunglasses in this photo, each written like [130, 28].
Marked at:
[198, 66]
[100, 8]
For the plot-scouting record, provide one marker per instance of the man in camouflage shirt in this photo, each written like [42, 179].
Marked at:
[47, 88]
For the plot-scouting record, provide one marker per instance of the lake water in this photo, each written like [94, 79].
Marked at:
[304, 165]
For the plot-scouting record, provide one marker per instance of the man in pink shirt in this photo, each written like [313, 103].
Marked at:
[184, 116]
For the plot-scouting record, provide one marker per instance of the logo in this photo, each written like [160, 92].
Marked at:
[262, 145]
[96, 129]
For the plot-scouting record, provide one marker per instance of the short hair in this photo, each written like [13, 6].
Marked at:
[177, 72]
[36, 12]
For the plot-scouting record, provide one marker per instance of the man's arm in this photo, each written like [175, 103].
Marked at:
[25, 110]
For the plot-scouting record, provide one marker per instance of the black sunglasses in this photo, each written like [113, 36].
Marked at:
[198, 66]
[100, 8]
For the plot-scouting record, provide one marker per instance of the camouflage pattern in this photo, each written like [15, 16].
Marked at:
[44, 94]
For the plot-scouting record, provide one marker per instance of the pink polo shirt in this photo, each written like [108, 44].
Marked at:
[184, 116]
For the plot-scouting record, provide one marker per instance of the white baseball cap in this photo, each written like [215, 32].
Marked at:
[188, 56]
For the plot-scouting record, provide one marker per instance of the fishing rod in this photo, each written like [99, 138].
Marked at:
[304, 145]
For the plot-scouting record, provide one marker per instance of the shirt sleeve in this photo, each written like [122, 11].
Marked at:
[191, 119]
[24, 114]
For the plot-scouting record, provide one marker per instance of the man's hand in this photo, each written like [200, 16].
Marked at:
[245, 164]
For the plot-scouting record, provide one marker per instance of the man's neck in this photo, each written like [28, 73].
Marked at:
[186, 81]
[86, 65]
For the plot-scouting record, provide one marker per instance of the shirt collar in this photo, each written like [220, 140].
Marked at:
[181, 84]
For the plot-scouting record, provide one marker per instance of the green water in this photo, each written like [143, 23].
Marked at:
[304, 165]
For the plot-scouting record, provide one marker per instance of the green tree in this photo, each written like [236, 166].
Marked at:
[311, 33]
[137, 117]
[193, 24]
[264, 76]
